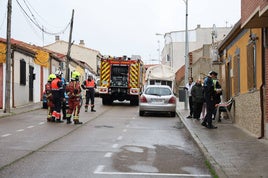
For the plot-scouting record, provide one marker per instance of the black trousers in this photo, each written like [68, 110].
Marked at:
[191, 105]
[210, 110]
[197, 109]
[90, 95]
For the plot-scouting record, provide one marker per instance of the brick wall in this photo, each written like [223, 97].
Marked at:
[249, 6]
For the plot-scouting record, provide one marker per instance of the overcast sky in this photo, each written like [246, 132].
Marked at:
[115, 27]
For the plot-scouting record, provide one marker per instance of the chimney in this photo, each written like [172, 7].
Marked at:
[198, 26]
[82, 43]
[57, 38]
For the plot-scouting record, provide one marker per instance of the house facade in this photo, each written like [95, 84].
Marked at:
[254, 14]
[241, 70]
[78, 52]
[30, 68]
[173, 51]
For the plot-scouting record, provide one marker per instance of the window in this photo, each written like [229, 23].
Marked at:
[236, 72]
[22, 72]
[251, 66]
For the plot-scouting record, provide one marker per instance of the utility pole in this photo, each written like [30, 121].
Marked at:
[69, 49]
[186, 53]
[8, 58]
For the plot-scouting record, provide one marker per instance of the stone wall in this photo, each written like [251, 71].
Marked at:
[248, 112]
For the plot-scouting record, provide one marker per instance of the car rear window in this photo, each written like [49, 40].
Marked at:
[158, 91]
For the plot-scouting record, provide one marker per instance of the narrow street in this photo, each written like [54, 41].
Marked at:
[112, 142]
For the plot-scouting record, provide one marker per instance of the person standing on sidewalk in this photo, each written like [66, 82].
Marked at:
[209, 99]
[188, 87]
[74, 91]
[48, 91]
[217, 96]
[89, 85]
[198, 98]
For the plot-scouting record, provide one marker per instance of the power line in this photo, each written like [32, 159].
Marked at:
[35, 22]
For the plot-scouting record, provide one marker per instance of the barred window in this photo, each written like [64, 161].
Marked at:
[251, 66]
[22, 72]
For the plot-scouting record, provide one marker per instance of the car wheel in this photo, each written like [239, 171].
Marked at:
[173, 114]
[141, 113]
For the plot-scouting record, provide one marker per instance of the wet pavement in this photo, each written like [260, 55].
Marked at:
[231, 151]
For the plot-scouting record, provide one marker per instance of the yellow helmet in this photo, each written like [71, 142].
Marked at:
[51, 77]
[75, 75]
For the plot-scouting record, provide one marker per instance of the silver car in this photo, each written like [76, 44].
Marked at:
[158, 98]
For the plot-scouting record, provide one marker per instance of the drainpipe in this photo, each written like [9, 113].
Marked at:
[262, 88]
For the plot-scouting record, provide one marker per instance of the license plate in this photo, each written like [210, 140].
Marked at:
[157, 101]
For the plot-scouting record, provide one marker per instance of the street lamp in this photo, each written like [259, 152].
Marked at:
[186, 52]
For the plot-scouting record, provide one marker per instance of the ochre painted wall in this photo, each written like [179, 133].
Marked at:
[242, 45]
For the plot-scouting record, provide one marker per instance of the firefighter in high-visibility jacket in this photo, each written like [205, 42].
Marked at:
[73, 90]
[58, 96]
[49, 97]
[89, 85]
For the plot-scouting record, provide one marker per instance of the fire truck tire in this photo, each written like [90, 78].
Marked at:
[134, 102]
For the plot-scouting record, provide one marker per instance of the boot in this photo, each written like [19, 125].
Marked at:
[77, 122]
[68, 120]
[49, 119]
[92, 109]
[59, 121]
[53, 119]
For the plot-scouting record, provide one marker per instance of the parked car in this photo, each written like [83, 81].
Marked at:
[157, 98]
[44, 100]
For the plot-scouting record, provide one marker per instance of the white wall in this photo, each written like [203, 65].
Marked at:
[197, 38]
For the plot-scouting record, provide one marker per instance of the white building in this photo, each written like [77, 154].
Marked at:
[79, 52]
[173, 52]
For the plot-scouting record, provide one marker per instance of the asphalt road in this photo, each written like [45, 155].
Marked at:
[113, 142]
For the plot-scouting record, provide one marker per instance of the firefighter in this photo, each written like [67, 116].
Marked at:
[73, 90]
[48, 91]
[58, 97]
[89, 85]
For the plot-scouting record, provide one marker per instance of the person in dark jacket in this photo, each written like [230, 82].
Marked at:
[209, 99]
[198, 99]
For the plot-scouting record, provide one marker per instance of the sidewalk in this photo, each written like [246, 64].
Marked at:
[230, 151]
[22, 109]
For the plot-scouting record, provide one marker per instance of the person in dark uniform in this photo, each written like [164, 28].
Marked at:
[209, 99]
[58, 96]
[89, 85]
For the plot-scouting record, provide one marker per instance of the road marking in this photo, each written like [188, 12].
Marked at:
[31, 126]
[99, 170]
[127, 125]
[119, 138]
[40, 123]
[19, 130]
[6, 135]
[125, 130]
[115, 145]
[108, 155]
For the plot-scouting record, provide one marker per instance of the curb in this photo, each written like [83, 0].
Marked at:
[215, 166]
